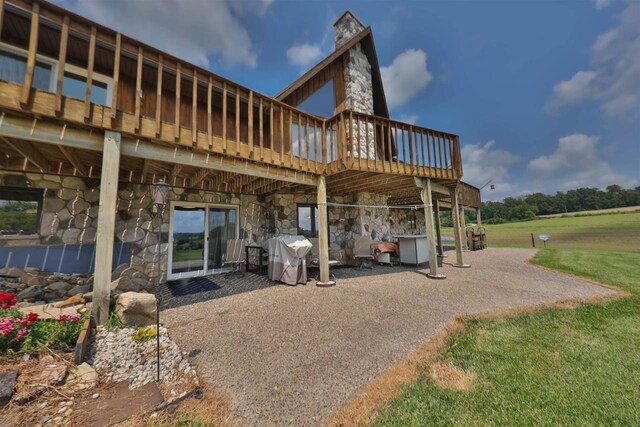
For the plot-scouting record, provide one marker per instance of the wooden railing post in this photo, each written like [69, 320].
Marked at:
[31, 58]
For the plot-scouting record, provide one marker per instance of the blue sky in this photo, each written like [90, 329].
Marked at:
[545, 95]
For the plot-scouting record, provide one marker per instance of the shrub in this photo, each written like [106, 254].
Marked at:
[143, 334]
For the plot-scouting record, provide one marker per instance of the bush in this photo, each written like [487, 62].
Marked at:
[497, 220]
[144, 334]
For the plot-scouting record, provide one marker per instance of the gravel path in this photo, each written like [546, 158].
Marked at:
[294, 355]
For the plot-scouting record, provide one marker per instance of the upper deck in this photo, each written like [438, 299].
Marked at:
[71, 70]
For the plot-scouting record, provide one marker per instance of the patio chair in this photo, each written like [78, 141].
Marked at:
[362, 252]
[235, 257]
[315, 256]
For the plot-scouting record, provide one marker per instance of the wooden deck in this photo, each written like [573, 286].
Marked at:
[162, 100]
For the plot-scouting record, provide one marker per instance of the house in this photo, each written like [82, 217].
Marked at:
[90, 119]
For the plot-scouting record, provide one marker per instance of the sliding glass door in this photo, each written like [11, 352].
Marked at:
[198, 238]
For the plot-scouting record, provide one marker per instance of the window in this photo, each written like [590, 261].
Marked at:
[308, 225]
[321, 102]
[74, 85]
[13, 64]
[19, 210]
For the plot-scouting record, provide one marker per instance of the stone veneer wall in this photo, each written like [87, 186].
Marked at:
[358, 85]
[70, 212]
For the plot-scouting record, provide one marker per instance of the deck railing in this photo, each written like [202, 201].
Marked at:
[156, 96]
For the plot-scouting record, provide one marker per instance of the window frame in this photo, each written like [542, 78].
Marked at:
[313, 219]
[68, 68]
[15, 50]
[40, 201]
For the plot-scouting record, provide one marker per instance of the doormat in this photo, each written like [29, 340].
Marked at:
[183, 287]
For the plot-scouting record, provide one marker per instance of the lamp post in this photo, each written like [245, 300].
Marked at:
[160, 199]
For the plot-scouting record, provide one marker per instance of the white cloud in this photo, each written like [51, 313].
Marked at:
[613, 81]
[189, 29]
[575, 163]
[482, 163]
[412, 119]
[601, 4]
[304, 55]
[572, 91]
[405, 77]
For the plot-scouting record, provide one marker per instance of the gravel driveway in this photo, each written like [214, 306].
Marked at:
[294, 355]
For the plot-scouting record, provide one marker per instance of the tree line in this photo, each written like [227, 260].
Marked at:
[527, 207]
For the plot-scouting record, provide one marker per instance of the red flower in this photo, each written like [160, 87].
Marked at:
[32, 317]
[7, 299]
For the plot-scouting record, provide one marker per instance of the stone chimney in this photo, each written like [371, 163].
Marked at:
[346, 26]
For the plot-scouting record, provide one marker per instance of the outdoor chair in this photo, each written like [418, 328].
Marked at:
[235, 257]
[362, 252]
[315, 257]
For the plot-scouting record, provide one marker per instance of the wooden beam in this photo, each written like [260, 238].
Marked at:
[62, 58]
[1, 15]
[29, 152]
[145, 169]
[455, 216]
[425, 194]
[198, 177]
[90, 64]
[176, 133]
[194, 109]
[159, 97]
[175, 171]
[52, 133]
[106, 226]
[73, 159]
[436, 215]
[31, 58]
[138, 99]
[323, 236]
[116, 76]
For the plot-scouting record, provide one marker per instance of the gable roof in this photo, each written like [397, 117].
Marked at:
[365, 37]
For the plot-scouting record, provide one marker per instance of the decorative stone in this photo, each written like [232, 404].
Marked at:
[124, 284]
[82, 221]
[132, 235]
[93, 211]
[48, 224]
[77, 206]
[70, 235]
[53, 204]
[88, 235]
[69, 194]
[74, 182]
[32, 293]
[49, 185]
[79, 289]
[136, 309]
[12, 272]
[92, 195]
[82, 377]
[7, 384]
[63, 214]
[60, 287]
[115, 274]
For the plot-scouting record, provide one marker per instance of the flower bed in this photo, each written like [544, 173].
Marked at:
[28, 333]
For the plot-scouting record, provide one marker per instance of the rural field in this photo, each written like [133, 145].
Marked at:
[571, 365]
[617, 231]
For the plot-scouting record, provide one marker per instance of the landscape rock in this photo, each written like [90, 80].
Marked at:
[71, 301]
[7, 385]
[82, 377]
[11, 272]
[60, 287]
[124, 284]
[136, 309]
[115, 274]
[79, 289]
[32, 293]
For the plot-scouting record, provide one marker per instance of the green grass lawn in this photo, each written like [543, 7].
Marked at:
[619, 231]
[553, 367]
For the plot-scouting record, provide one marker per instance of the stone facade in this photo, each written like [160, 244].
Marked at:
[70, 212]
[358, 86]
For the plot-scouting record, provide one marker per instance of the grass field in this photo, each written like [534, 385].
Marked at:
[618, 231]
[554, 367]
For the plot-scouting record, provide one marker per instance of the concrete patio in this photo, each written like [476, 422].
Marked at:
[294, 355]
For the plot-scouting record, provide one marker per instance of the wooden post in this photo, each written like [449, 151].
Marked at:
[323, 236]
[31, 58]
[438, 228]
[106, 226]
[425, 193]
[478, 218]
[463, 230]
[455, 216]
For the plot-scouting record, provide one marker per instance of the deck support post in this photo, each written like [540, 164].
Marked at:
[478, 217]
[463, 230]
[436, 215]
[427, 200]
[323, 236]
[455, 216]
[106, 226]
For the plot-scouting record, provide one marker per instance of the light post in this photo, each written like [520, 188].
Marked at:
[160, 199]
